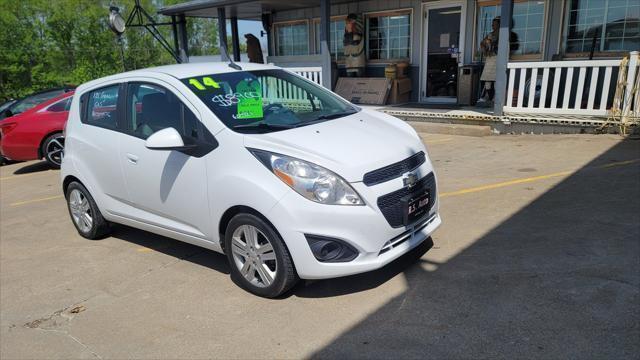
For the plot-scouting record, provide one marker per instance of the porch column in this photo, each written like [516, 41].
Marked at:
[174, 32]
[325, 18]
[222, 34]
[502, 57]
[182, 39]
[234, 38]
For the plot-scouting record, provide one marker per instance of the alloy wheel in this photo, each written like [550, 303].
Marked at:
[80, 210]
[54, 150]
[254, 256]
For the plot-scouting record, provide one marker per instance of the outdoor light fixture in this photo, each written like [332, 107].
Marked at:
[116, 22]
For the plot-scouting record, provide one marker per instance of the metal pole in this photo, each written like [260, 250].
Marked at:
[184, 44]
[222, 34]
[325, 18]
[234, 39]
[174, 31]
[124, 65]
[503, 57]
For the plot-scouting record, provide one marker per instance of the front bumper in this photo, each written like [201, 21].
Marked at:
[363, 227]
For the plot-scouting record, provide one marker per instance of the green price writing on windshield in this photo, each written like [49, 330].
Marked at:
[208, 82]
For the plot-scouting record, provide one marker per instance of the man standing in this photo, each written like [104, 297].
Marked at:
[489, 48]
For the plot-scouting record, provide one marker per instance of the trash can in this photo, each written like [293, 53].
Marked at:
[469, 84]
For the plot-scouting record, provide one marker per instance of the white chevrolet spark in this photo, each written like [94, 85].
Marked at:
[283, 176]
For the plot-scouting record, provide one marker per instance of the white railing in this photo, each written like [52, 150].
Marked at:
[550, 87]
[312, 73]
[283, 92]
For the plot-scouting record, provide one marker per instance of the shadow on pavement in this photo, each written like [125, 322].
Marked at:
[31, 168]
[171, 247]
[558, 279]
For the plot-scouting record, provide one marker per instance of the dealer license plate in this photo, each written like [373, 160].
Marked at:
[417, 206]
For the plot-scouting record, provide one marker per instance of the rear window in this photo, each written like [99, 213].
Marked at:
[60, 106]
[102, 107]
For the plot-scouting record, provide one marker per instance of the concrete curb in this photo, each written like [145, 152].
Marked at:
[451, 129]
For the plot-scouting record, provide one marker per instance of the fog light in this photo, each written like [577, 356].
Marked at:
[327, 249]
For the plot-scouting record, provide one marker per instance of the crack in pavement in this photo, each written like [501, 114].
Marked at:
[66, 333]
[48, 323]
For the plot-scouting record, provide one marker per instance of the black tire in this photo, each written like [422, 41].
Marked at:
[285, 274]
[99, 226]
[53, 142]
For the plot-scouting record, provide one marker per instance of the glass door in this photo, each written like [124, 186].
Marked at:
[442, 47]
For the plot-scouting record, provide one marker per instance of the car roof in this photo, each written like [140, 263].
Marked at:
[182, 71]
[65, 88]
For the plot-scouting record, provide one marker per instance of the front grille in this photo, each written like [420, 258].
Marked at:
[391, 206]
[394, 170]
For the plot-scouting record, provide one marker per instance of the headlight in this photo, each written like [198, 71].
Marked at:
[309, 180]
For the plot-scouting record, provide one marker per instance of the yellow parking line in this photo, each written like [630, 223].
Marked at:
[531, 179]
[619, 163]
[35, 200]
[505, 183]
[445, 194]
[24, 175]
[429, 142]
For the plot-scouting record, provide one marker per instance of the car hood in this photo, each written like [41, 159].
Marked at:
[349, 146]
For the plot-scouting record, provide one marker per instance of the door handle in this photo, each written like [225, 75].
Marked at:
[132, 158]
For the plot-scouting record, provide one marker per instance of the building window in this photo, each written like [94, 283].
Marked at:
[528, 25]
[292, 38]
[336, 35]
[613, 24]
[388, 35]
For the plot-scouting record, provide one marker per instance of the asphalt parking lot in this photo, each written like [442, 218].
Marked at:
[538, 257]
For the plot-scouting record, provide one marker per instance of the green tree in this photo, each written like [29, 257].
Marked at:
[48, 43]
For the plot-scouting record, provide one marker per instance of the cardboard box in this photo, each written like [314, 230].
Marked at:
[400, 91]
[368, 91]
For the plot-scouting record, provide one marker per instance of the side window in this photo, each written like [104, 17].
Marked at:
[152, 108]
[60, 106]
[101, 107]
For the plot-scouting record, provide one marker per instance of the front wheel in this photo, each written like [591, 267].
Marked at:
[85, 215]
[260, 261]
[52, 150]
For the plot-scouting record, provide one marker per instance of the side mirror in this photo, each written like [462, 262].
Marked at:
[167, 139]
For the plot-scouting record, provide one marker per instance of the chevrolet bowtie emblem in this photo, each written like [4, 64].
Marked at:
[409, 180]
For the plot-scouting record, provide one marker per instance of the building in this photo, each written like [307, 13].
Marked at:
[565, 59]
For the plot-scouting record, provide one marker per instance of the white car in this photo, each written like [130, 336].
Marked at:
[280, 174]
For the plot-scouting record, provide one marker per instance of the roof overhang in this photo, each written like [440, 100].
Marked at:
[242, 9]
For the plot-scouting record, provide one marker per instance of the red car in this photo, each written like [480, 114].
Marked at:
[37, 132]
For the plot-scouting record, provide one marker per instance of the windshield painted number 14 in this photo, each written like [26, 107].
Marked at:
[207, 82]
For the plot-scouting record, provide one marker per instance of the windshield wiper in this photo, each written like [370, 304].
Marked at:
[332, 116]
[264, 125]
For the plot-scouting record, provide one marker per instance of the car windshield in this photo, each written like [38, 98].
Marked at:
[267, 100]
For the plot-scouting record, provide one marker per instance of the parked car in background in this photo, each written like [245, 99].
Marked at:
[36, 133]
[7, 104]
[289, 185]
[14, 107]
